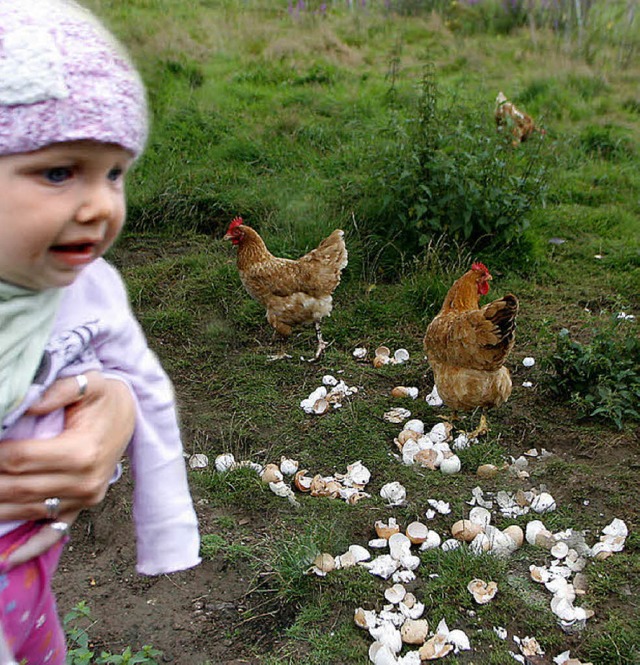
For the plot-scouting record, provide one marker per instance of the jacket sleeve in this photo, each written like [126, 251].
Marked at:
[165, 520]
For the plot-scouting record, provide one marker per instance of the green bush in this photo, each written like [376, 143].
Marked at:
[601, 378]
[446, 171]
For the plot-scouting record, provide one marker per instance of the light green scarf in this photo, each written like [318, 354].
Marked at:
[26, 320]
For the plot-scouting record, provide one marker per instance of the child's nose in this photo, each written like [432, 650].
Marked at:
[100, 203]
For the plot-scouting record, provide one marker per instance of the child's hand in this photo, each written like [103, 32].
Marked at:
[75, 466]
[47, 537]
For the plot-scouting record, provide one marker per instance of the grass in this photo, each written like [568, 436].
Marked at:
[293, 121]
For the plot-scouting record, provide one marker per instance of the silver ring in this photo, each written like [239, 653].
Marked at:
[83, 382]
[53, 507]
[62, 527]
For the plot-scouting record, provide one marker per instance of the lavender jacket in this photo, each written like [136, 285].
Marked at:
[95, 329]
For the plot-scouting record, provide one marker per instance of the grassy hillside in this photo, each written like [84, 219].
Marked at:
[378, 119]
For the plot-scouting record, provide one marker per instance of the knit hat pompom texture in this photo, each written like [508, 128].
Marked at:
[64, 77]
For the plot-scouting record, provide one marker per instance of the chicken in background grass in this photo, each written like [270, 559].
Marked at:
[293, 292]
[516, 121]
[466, 345]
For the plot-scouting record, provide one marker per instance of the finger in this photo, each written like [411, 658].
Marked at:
[41, 456]
[44, 539]
[36, 510]
[67, 391]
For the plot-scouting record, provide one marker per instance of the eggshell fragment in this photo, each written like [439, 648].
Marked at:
[487, 471]
[404, 391]
[466, 530]
[394, 594]
[417, 532]
[480, 515]
[288, 466]
[271, 474]
[302, 481]
[324, 563]
[450, 465]
[435, 648]
[198, 461]
[414, 631]
[515, 533]
[386, 529]
[416, 425]
[224, 462]
[394, 493]
[543, 503]
[400, 356]
[364, 618]
[482, 592]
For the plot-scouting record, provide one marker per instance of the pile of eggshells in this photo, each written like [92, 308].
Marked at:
[563, 577]
[330, 394]
[348, 486]
[430, 449]
[382, 356]
[481, 536]
[517, 503]
[401, 622]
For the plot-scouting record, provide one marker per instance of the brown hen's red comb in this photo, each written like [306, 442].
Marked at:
[480, 267]
[236, 221]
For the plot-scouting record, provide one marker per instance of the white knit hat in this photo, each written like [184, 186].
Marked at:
[64, 77]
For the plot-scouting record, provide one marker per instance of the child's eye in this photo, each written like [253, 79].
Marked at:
[115, 174]
[58, 174]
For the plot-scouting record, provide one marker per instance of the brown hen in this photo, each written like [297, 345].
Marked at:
[466, 345]
[294, 292]
[509, 116]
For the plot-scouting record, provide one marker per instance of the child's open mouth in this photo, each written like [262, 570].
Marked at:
[76, 254]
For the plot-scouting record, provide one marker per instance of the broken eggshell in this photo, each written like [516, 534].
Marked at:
[466, 530]
[400, 356]
[288, 466]
[482, 592]
[450, 465]
[360, 353]
[396, 593]
[417, 532]
[271, 474]
[404, 391]
[414, 631]
[386, 529]
[394, 493]
[198, 461]
[225, 462]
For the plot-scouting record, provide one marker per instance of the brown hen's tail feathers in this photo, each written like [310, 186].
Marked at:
[334, 249]
[502, 313]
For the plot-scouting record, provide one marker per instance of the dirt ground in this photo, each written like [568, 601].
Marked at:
[190, 616]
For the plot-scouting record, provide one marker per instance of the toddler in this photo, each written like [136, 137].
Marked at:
[73, 119]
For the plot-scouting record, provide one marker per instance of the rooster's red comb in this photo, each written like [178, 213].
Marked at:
[480, 267]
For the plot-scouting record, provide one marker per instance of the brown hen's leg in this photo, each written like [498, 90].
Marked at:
[322, 345]
[283, 354]
[481, 429]
[278, 356]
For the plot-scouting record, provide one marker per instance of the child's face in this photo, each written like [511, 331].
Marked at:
[61, 207]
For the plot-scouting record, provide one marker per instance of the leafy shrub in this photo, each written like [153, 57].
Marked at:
[602, 378]
[446, 171]
[76, 623]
